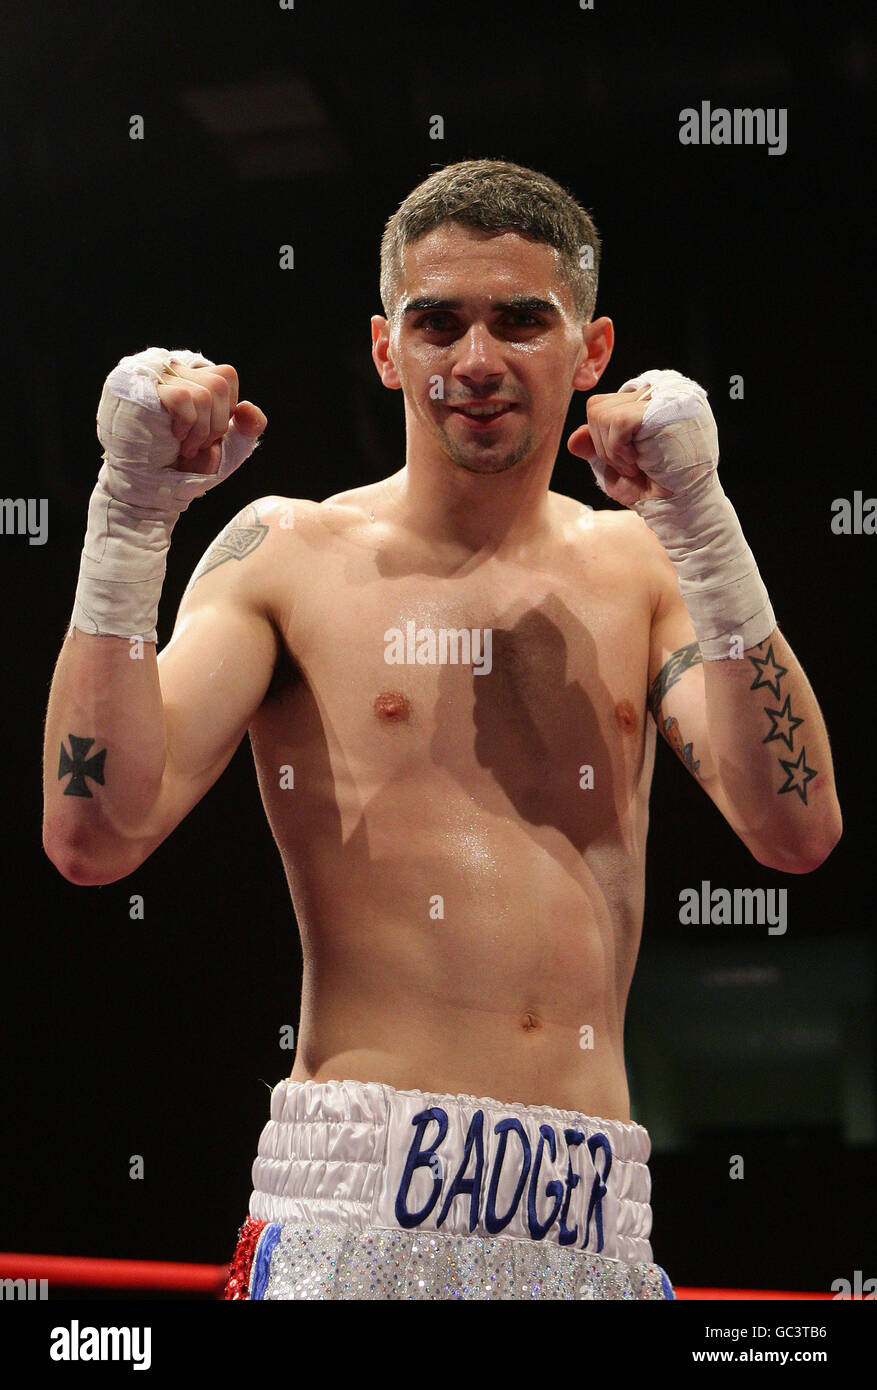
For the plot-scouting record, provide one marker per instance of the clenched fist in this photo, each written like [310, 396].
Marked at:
[654, 439]
[204, 407]
[607, 442]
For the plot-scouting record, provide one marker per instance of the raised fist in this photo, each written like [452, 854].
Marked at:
[203, 405]
[172, 428]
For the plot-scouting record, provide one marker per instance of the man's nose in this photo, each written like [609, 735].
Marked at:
[479, 354]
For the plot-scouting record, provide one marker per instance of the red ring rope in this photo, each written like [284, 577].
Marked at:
[113, 1274]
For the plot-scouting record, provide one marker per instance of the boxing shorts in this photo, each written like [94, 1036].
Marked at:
[361, 1191]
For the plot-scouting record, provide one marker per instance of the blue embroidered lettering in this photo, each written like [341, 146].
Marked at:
[503, 1128]
[573, 1137]
[420, 1158]
[598, 1189]
[462, 1185]
[539, 1229]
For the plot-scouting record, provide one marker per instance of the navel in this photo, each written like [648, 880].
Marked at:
[529, 1022]
[392, 706]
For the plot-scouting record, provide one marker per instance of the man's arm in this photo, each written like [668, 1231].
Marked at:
[132, 742]
[749, 730]
[725, 687]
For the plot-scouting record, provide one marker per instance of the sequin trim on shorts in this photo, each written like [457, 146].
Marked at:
[328, 1262]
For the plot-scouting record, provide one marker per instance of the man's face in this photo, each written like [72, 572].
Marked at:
[483, 318]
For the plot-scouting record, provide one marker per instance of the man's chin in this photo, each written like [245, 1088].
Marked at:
[485, 467]
[484, 461]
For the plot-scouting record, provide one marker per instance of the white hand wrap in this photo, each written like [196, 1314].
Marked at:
[697, 526]
[139, 497]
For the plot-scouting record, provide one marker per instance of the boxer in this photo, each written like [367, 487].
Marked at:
[465, 846]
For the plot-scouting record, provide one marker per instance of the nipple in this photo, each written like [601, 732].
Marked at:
[625, 715]
[392, 706]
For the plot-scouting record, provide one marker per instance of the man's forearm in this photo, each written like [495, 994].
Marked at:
[104, 754]
[770, 749]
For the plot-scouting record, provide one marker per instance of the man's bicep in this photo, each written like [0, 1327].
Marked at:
[214, 674]
[216, 669]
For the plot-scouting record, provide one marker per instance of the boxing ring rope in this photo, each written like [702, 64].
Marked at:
[87, 1272]
[74, 1271]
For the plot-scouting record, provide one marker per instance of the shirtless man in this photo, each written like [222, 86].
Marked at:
[462, 819]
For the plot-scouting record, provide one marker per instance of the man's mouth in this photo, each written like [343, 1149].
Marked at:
[482, 415]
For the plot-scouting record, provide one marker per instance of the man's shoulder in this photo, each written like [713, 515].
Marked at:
[252, 535]
[620, 526]
[283, 518]
[265, 555]
[620, 540]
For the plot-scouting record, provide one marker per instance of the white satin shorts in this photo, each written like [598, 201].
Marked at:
[361, 1191]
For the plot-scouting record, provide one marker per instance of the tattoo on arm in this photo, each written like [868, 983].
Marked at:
[680, 662]
[80, 766]
[243, 534]
[669, 727]
[670, 672]
[783, 723]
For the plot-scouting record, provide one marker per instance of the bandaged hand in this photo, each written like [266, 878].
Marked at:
[653, 446]
[159, 409]
[172, 428]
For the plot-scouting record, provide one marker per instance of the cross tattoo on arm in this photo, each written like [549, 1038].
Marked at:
[75, 762]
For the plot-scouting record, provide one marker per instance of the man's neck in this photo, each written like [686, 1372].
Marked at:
[444, 502]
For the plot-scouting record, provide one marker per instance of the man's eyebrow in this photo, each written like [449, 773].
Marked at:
[530, 303]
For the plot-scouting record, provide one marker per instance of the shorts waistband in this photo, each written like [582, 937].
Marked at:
[364, 1155]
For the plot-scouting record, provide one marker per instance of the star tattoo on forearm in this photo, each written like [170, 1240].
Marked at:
[783, 723]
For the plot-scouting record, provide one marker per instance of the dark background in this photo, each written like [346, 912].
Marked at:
[266, 127]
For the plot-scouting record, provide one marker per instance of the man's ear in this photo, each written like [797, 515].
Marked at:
[381, 353]
[599, 338]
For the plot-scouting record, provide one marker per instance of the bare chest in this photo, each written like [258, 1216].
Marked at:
[520, 673]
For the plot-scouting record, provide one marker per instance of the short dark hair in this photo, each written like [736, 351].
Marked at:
[497, 196]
